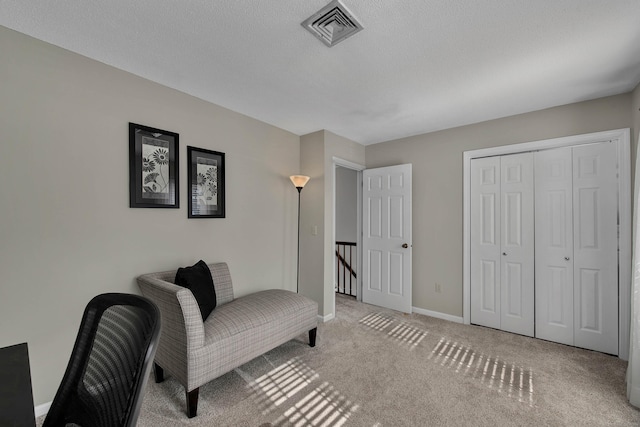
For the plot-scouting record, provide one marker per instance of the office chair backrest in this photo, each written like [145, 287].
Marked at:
[109, 366]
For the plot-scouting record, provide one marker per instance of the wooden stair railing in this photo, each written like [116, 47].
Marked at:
[344, 262]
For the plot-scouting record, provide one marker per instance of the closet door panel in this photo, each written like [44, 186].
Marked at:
[485, 242]
[517, 234]
[595, 192]
[554, 245]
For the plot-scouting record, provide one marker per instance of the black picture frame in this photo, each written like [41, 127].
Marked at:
[206, 183]
[153, 168]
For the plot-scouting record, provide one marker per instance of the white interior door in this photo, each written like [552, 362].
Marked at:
[595, 227]
[516, 235]
[502, 241]
[554, 245]
[577, 246]
[386, 240]
[485, 242]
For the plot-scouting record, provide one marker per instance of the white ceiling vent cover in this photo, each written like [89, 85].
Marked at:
[332, 24]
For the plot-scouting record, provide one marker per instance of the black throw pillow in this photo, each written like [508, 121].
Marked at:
[197, 279]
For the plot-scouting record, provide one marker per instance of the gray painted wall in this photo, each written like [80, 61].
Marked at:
[66, 230]
[437, 183]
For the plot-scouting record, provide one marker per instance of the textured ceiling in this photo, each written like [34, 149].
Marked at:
[418, 66]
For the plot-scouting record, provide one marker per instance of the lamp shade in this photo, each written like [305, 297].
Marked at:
[299, 181]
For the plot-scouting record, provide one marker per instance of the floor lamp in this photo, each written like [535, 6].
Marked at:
[299, 181]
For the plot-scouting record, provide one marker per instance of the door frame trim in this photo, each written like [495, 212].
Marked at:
[623, 139]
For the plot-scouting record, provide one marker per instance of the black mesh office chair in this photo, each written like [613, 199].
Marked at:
[109, 366]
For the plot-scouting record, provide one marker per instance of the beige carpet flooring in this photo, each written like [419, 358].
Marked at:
[377, 367]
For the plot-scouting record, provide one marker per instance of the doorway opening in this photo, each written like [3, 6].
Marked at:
[383, 208]
[347, 230]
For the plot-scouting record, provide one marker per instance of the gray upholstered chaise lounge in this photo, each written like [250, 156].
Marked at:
[238, 330]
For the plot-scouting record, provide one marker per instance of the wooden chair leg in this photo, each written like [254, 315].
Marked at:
[312, 337]
[158, 373]
[192, 402]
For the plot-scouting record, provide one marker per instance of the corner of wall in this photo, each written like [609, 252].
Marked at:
[317, 150]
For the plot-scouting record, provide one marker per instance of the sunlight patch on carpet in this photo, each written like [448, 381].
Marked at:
[510, 379]
[280, 384]
[377, 321]
[399, 331]
[324, 407]
[289, 389]
[407, 334]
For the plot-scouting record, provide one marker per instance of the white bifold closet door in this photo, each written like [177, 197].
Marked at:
[502, 243]
[576, 254]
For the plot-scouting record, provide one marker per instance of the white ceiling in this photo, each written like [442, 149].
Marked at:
[418, 65]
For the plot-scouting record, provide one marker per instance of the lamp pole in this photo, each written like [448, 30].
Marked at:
[298, 258]
[299, 181]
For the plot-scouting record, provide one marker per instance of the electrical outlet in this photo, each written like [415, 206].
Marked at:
[438, 288]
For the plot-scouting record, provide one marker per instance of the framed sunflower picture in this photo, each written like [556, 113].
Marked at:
[206, 183]
[153, 168]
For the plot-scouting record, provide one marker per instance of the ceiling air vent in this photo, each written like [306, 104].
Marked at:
[332, 24]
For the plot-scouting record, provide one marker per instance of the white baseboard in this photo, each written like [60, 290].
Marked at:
[438, 315]
[325, 319]
[41, 410]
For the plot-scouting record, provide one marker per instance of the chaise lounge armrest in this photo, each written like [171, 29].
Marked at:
[183, 330]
